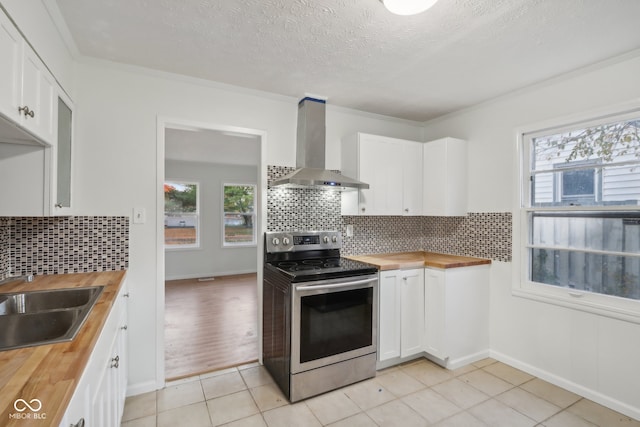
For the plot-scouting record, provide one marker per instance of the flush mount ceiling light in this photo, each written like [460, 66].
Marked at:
[407, 7]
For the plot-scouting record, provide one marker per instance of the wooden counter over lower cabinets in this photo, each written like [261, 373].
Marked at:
[405, 260]
[50, 373]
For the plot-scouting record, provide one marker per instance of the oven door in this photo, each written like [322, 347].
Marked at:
[333, 320]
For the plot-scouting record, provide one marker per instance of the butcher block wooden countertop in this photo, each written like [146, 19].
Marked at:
[405, 260]
[51, 372]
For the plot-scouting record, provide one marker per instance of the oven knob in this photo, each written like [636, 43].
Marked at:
[334, 239]
[275, 241]
[325, 239]
[285, 241]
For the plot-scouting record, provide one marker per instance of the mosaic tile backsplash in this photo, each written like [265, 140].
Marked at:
[300, 209]
[57, 245]
[5, 250]
[485, 235]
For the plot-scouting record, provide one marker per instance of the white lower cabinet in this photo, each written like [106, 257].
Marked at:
[100, 394]
[456, 322]
[401, 313]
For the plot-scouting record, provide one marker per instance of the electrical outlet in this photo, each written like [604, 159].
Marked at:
[350, 230]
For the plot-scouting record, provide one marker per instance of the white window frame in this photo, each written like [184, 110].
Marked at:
[195, 245]
[254, 241]
[601, 304]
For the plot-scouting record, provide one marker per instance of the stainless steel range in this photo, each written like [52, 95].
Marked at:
[319, 314]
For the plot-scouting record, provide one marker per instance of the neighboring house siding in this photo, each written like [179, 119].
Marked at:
[179, 221]
[620, 183]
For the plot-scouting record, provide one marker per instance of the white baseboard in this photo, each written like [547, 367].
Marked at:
[215, 274]
[448, 363]
[396, 361]
[466, 360]
[141, 388]
[588, 393]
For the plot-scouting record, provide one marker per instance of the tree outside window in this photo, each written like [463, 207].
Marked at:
[239, 215]
[181, 214]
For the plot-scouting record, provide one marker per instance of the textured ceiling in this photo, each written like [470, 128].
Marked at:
[456, 54]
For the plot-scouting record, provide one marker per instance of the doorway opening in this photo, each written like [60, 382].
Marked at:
[211, 208]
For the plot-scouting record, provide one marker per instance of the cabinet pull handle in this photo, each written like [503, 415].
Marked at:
[125, 295]
[80, 423]
[58, 205]
[124, 328]
[27, 111]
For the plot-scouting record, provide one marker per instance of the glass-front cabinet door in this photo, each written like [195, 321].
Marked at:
[62, 158]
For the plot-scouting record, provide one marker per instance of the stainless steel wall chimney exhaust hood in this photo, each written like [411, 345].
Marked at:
[310, 153]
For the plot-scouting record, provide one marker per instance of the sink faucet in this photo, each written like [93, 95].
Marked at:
[24, 278]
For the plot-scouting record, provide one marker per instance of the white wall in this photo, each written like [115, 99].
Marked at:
[210, 259]
[593, 355]
[115, 169]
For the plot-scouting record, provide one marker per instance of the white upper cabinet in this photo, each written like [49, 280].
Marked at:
[38, 103]
[412, 178]
[392, 168]
[10, 68]
[27, 90]
[445, 178]
[36, 132]
[61, 158]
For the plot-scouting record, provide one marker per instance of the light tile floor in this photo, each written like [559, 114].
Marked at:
[418, 393]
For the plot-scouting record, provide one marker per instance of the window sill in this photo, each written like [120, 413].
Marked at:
[248, 245]
[582, 301]
[182, 248]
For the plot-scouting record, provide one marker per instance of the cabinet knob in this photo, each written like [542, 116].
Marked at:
[80, 423]
[115, 362]
[27, 111]
[363, 209]
[125, 295]
[58, 205]
[406, 210]
[124, 328]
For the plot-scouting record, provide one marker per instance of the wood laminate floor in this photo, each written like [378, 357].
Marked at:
[210, 325]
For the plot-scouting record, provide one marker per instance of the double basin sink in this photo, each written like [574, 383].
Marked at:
[44, 317]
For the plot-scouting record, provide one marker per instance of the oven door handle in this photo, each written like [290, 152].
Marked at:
[335, 285]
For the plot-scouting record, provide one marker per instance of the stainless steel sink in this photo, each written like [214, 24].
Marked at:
[38, 301]
[44, 317]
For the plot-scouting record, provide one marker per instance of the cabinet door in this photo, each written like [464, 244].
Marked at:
[389, 315]
[10, 45]
[39, 95]
[61, 161]
[445, 178]
[412, 315]
[412, 178]
[79, 406]
[380, 161]
[435, 306]
[123, 353]
[101, 415]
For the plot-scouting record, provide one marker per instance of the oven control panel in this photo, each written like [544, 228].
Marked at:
[294, 241]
